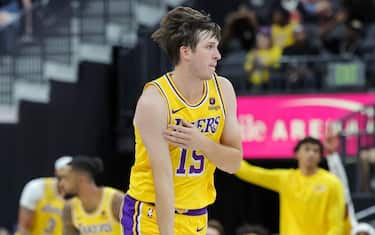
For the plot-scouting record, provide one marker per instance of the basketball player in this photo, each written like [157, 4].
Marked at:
[311, 199]
[41, 204]
[185, 127]
[92, 209]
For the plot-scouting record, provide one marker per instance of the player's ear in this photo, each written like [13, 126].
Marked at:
[185, 52]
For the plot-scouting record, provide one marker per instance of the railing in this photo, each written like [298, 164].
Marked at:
[59, 27]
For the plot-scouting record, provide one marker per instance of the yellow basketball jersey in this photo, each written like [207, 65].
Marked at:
[193, 172]
[99, 222]
[47, 219]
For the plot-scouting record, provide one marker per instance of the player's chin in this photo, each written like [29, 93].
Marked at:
[208, 75]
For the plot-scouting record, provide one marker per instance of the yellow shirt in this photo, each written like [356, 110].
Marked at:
[267, 57]
[309, 205]
[283, 36]
[99, 222]
[193, 172]
[47, 218]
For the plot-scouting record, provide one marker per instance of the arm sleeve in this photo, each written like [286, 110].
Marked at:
[336, 210]
[32, 193]
[270, 179]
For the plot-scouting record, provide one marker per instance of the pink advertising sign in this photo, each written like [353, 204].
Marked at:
[271, 125]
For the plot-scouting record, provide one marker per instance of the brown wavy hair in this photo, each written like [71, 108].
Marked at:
[183, 26]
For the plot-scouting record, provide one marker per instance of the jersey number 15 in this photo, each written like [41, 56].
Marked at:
[194, 169]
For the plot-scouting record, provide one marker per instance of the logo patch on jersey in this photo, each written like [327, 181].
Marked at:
[212, 104]
[177, 110]
[150, 212]
[320, 188]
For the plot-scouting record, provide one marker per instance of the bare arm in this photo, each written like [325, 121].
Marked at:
[116, 205]
[227, 154]
[68, 228]
[25, 221]
[151, 119]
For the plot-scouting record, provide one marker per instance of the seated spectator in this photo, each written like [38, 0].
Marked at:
[214, 227]
[252, 230]
[239, 30]
[301, 74]
[261, 60]
[282, 29]
[349, 44]
[313, 11]
[363, 229]
[302, 44]
[8, 25]
[8, 12]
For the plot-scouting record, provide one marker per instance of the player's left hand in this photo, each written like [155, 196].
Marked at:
[185, 135]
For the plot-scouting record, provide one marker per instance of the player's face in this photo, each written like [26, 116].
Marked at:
[58, 174]
[308, 155]
[68, 182]
[212, 231]
[205, 56]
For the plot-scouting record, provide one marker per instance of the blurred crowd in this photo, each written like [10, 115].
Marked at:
[289, 42]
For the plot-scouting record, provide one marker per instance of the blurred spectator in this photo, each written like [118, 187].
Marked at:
[336, 167]
[313, 11]
[214, 227]
[367, 160]
[252, 230]
[363, 229]
[282, 29]
[300, 74]
[302, 44]
[349, 43]
[8, 25]
[261, 60]
[239, 30]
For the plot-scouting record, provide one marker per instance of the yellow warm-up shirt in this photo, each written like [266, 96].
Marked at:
[309, 205]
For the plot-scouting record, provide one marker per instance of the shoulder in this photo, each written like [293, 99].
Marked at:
[32, 193]
[224, 82]
[36, 183]
[113, 191]
[150, 97]
[330, 178]
[226, 87]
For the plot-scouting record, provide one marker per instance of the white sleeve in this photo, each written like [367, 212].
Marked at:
[32, 193]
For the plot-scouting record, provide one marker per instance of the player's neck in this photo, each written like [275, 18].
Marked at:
[308, 171]
[191, 87]
[90, 196]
